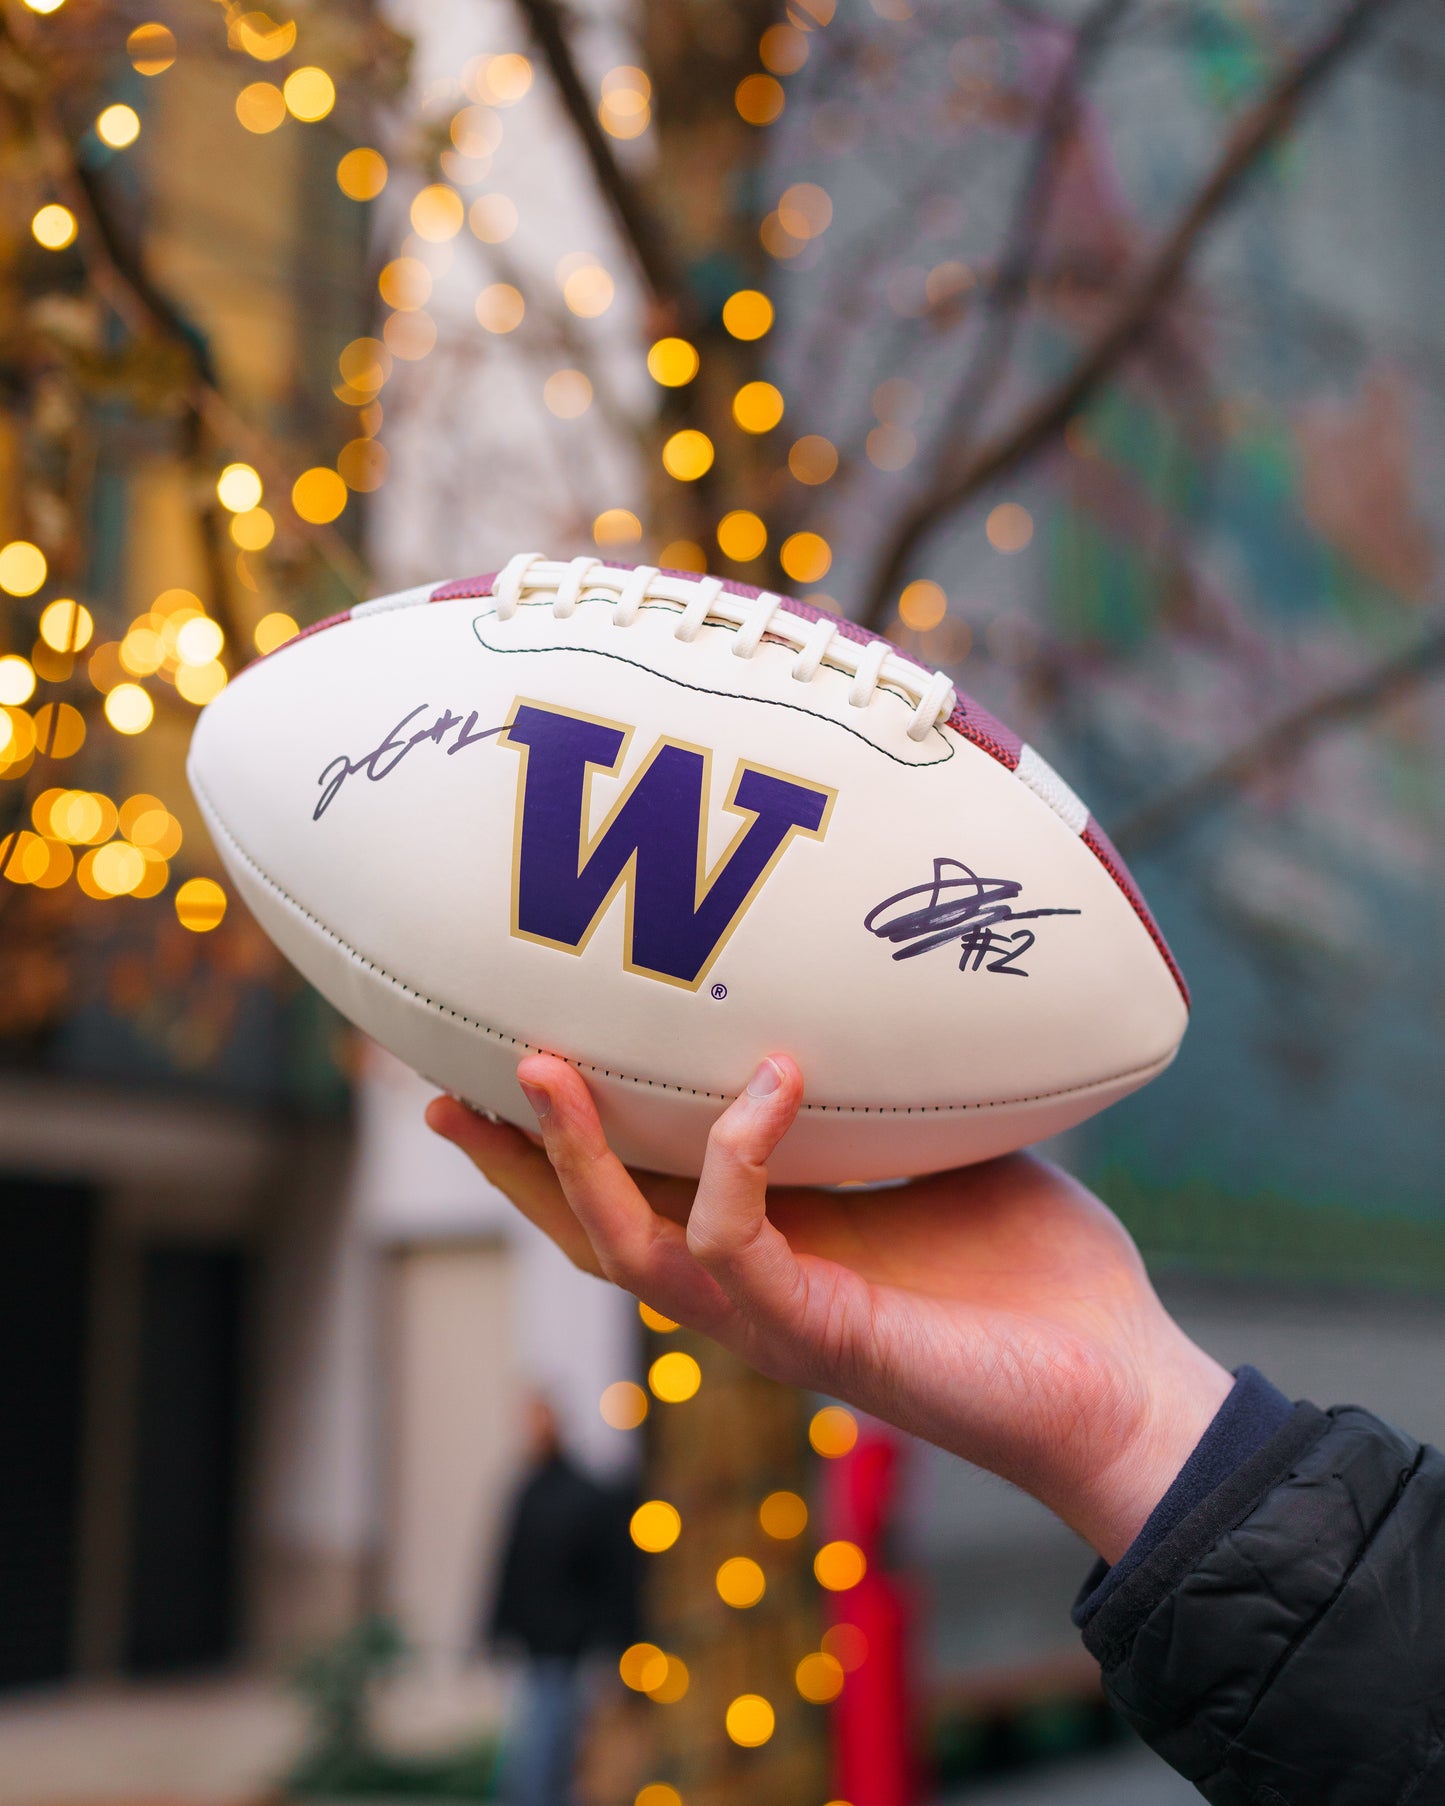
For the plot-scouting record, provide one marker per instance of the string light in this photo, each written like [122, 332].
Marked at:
[273, 630]
[813, 459]
[742, 536]
[658, 1793]
[783, 1516]
[239, 488]
[493, 218]
[118, 126]
[437, 213]
[672, 362]
[22, 568]
[758, 407]
[54, 227]
[200, 905]
[759, 99]
[674, 1377]
[500, 308]
[259, 37]
[839, 1566]
[254, 530]
[623, 1406]
[819, 1678]
[747, 314]
[922, 605]
[688, 455]
[362, 174]
[806, 557]
[151, 49]
[740, 1582]
[750, 1721]
[309, 94]
[261, 107]
[318, 495]
[17, 680]
[129, 709]
[833, 1432]
[1009, 527]
[616, 527]
[655, 1526]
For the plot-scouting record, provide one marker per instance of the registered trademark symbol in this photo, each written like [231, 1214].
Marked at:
[719, 992]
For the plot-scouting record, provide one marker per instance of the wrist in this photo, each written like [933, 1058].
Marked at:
[1183, 1390]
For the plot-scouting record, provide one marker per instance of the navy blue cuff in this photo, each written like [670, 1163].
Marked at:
[1254, 1412]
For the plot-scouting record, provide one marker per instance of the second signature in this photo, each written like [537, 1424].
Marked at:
[958, 908]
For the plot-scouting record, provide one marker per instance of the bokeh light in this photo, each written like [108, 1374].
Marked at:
[405, 283]
[688, 455]
[616, 527]
[22, 568]
[758, 407]
[309, 93]
[437, 213]
[493, 218]
[658, 1793]
[783, 49]
[847, 1645]
[742, 536]
[1010, 527]
[363, 464]
[682, 555]
[588, 291]
[623, 1405]
[655, 1526]
[274, 630]
[151, 48]
[475, 131]
[239, 488]
[54, 226]
[261, 107]
[832, 1432]
[674, 1377]
[839, 1566]
[819, 1677]
[741, 1582]
[805, 210]
[500, 307]
[922, 605]
[642, 1667]
[59, 730]
[200, 905]
[504, 79]
[254, 530]
[759, 99]
[17, 679]
[567, 394]
[750, 1720]
[806, 557]
[199, 641]
[813, 459]
[200, 684]
[674, 1684]
[663, 1326]
[129, 709]
[262, 37]
[118, 126]
[318, 495]
[672, 362]
[410, 336]
[747, 313]
[361, 174]
[783, 1516]
[625, 110]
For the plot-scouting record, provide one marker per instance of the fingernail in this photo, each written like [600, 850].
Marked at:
[537, 1098]
[765, 1080]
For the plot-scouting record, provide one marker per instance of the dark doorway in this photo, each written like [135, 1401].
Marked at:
[45, 1243]
[182, 1603]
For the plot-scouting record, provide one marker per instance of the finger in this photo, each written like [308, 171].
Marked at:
[638, 1249]
[729, 1230]
[515, 1166]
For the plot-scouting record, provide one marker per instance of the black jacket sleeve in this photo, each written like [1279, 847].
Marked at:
[1285, 1644]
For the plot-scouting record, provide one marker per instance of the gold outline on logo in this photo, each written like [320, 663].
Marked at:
[626, 877]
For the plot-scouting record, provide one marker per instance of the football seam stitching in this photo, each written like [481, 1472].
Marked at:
[629, 1078]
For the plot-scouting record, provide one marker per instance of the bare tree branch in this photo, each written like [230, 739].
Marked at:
[1283, 742]
[964, 471]
[640, 225]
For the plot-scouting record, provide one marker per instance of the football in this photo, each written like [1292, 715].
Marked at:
[663, 825]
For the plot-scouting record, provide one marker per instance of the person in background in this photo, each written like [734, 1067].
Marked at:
[564, 1589]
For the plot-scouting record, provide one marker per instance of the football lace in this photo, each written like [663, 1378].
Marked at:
[702, 601]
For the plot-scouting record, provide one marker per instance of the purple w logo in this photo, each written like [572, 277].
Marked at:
[653, 843]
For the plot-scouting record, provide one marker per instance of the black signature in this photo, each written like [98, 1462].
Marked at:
[958, 907]
[382, 760]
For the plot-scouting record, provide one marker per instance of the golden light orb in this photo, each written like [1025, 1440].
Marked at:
[363, 464]
[59, 730]
[405, 283]
[261, 107]
[254, 530]
[783, 49]
[17, 680]
[118, 126]
[658, 1793]
[365, 365]
[813, 459]
[740, 1582]
[567, 394]
[750, 1720]
[623, 1405]
[66, 626]
[22, 568]
[500, 307]
[318, 495]
[922, 605]
[682, 555]
[437, 213]
[410, 336]
[672, 362]
[475, 131]
[819, 1677]
[742, 536]
[200, 905]
[129, 709]
[806, 557]
[674, 1377]
[362, 174]
[118, 868]
[239, 488]
[274, 630]
[674, 1684]
[505, 79]
[200, 684]
[616, 527]
[655, 1526]
[1010, 527]
[200, 641]
[54, 226]
[890, 446]
[309, 93]
[747, 313]
[688, 455]
[847, 1645]
[832, 1432]
[655, 1319]
[151, 49]
[759, 99]
[758, 407]
[783, 1516]
[493, 218]
[45, 7]
[839, 1566]
[642, 1667]
[588, 291]
[261, 37]
[805, 210]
